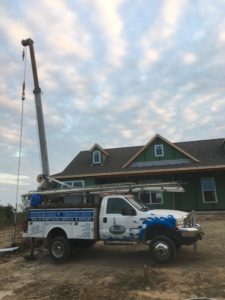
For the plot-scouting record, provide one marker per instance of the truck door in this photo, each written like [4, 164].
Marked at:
[120, 220]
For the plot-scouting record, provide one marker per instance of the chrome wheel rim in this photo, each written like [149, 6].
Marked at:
[161, 250]
[58, 249]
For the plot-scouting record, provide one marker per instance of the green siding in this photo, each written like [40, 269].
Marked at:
[220, 192]
[170, 152]
[190, 200]
[89, 181]
[220, 188]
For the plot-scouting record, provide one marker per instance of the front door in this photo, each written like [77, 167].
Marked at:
[120, 221]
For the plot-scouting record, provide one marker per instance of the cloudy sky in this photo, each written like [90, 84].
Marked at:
[114, 72]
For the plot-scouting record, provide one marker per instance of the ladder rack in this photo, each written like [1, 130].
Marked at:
[174, 187]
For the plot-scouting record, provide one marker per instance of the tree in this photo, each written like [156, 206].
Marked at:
[9, 212]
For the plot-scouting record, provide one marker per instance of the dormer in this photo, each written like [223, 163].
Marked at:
[98, 155]
[160, 152]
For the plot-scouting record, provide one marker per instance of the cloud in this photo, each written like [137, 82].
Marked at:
[189, 58]
[171, 13]
[13, 29]
[111, 24]
[9, 134]
[190, 115]
[127, 104]
[221, 36]
[126, 133]
[149, 58]
[160, 33]
[12, 179]
[66, 35]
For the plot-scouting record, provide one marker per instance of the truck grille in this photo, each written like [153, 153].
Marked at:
[188, 221]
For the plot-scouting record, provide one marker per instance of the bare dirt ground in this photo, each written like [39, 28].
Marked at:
[119, 272]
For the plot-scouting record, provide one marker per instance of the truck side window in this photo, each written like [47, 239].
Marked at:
[116, 205]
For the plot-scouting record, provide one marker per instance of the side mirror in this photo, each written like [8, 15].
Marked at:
[133, 212]
[124, 211]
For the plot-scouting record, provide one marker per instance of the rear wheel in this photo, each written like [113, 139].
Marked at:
[59, 248]
[163, 249]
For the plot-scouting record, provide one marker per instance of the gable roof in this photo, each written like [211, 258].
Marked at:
[208, 154]
[99, 147]
[166, 141]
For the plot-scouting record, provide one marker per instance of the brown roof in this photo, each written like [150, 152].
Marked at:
[209, 153]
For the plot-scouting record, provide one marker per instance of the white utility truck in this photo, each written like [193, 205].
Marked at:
[115, 215]
[112, 218]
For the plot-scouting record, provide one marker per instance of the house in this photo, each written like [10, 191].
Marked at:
[198, 165]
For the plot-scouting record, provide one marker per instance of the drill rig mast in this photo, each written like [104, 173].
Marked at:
[39, 111]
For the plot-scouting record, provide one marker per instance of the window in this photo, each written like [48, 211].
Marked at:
[75, 183]
[159, 150]
[152, 197]
[96, 157]
[208, 190]
[116, 205]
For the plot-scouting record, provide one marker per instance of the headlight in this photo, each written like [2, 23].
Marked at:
[180, 223]
[184, 222]
[188, 221]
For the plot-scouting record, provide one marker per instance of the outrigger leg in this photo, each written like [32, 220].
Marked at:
[31, 256]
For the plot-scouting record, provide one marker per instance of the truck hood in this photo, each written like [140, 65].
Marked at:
[177, 214]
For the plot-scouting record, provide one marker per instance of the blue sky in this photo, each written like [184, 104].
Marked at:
[112, 72]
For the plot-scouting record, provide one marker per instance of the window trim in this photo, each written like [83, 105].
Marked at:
[162, 150]
[93, 157]
[122, 200]
[150, 198]
[71, 182]
[214, 184]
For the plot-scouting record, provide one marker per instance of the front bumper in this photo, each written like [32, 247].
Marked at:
[191, 231]
[190, 235]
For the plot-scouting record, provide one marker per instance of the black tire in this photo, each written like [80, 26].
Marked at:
[59, 248]
[163, 249]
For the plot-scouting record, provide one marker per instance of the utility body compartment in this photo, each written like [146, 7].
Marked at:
[76, 222]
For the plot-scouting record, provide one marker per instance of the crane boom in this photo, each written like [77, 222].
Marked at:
[38, 104]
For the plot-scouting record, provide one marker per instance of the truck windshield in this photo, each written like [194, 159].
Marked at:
[137, 204]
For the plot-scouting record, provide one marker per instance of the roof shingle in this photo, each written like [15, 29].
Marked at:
[208, 152]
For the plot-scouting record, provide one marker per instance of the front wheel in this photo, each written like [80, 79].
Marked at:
[59, 248]
[163, 249]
